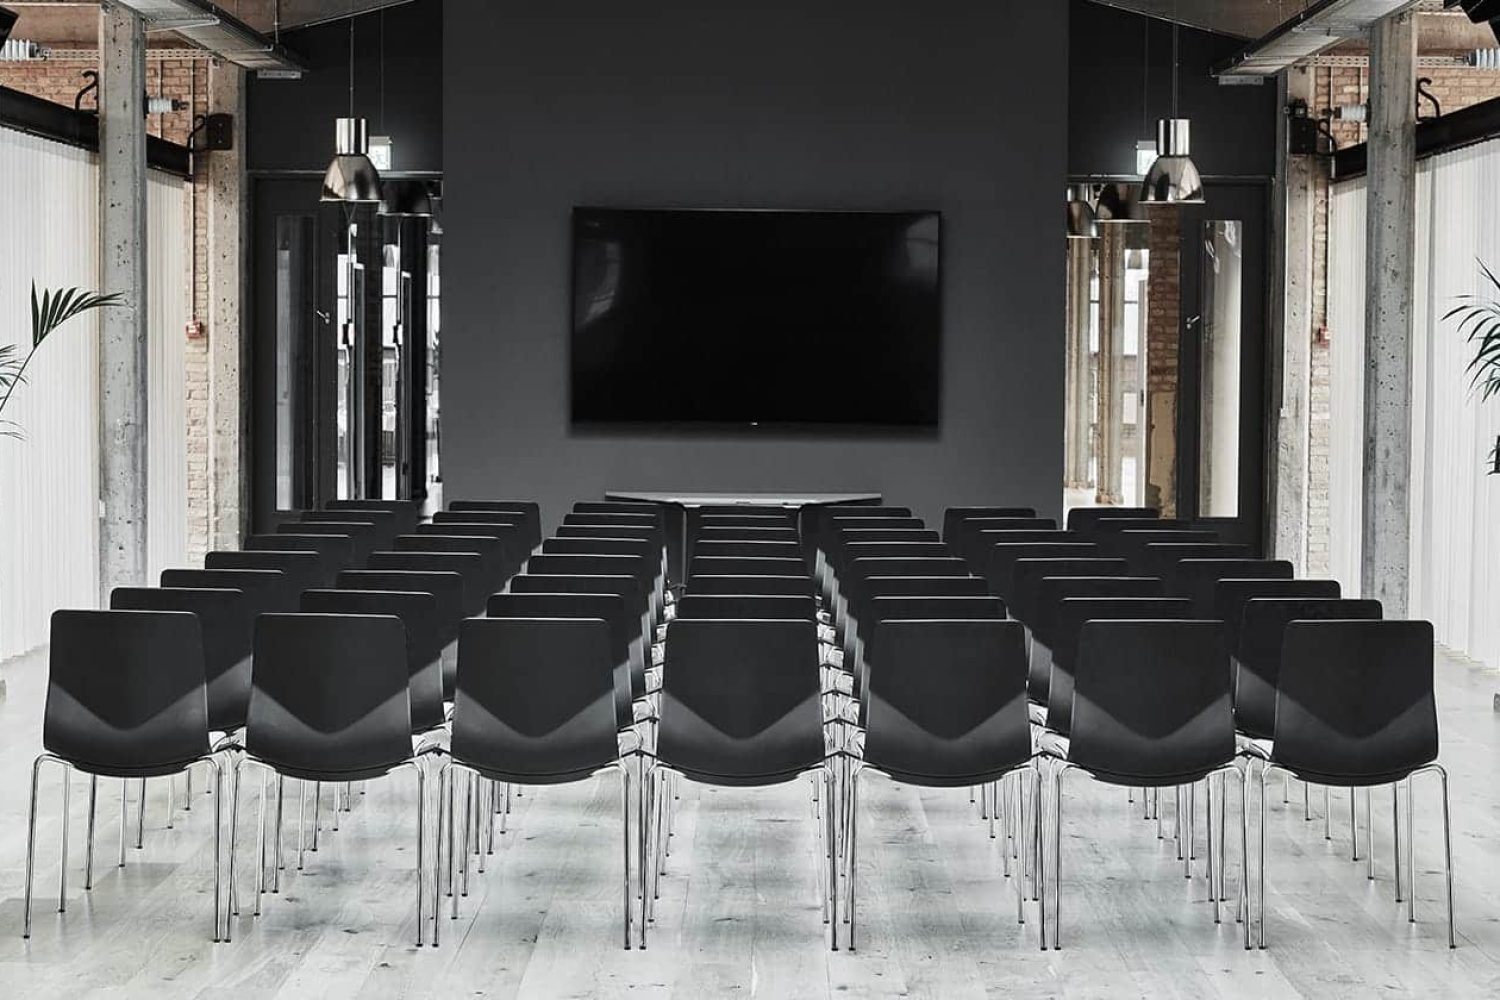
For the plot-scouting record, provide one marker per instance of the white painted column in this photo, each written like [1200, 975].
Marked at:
[1079, 389]
[1109, 450]
[1390, 285]
[122, 269]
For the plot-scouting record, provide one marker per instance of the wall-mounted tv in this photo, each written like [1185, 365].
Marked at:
[756, 318]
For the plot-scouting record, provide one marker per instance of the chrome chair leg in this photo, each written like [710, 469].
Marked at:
[833, 871]
[301, 823]
[1396, 837]
[626, 901]
[36, 771]
[278, 864]
[1442, 774]
[1370, 832]
[88, 854]
[1353, 828]
[851, 872]
[140, 818]
[124, 818]
[1260, 881]
[171, 801]
[260, 866]
[1411, 853]
[62, 868]
[218, 843]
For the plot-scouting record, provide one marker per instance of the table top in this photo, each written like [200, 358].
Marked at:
[745, 499]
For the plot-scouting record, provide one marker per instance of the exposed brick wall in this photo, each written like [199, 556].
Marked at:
[1162, 343]
[184, 78]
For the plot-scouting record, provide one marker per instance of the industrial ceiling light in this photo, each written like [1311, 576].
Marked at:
[1082, 222]
[406, 199]
[1173, 178]
[351, 177]
[1118, 202]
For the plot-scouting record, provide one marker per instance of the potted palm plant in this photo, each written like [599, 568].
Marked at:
[51, 310]
[1479, 318]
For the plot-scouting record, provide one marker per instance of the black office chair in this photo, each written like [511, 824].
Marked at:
[512, 538]
[1047, 624]
[362, 534]
[954, 517]
[1000, 562]
[446, 588]
[1026, 576]
[1150, 708]
[528, 509]
[748, 549]
[1198, 579]
[946, 708]
[741, 566]
[126, 699]
[643, 678]
[766, 607]
[418, 612]
[653, 510]
[770, 586]
[330, 704]
[977, 535]
[742, 707]
[335, 552]
[302, 569]
[1085, 519]
[469, 566]
[496, 566]
[405, 514]
[387, 524]
[1165, 559]
[1355, 709]
[537, 705]
[1231, 596]
[270, 590]
[747, 535]
[1130, 544]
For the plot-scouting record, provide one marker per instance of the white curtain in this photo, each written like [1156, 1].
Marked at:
[49, 479]
[1455, 573]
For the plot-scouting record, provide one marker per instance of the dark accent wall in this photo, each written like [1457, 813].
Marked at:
[840, 104]
[291, 121]
[1120, 83]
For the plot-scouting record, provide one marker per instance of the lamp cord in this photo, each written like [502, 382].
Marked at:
[351, 58]
[1175, 31]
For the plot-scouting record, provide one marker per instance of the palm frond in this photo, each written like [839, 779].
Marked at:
[56, 307]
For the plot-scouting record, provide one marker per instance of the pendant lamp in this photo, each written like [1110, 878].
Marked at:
[351, 177]
[1082, 222]
[1173, 179]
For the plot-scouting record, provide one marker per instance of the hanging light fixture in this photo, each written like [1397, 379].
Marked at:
[351, 177]
[1117, 202]
[1082, 223]
[1173, 178]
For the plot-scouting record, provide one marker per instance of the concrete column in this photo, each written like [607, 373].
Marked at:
[1109, 450]
[228, 354]
[1390, 281]
[122, 269]
[1291, 331]
[1079, 393]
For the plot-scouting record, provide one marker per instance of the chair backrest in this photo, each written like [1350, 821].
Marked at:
[971, 530]
[336, 552]
[302, 570]
[1131, 543]
[855, 536]
[1355, 703]
[1262, 641]
[1051, 591]
[602, 547]
[361, 535]
[418, 611]
[447, 590]
[512, 518]
[536, 699]
[268, 589]
[954, 517]
[748, 535]
[654, 510]
[741, 702]
[743, 566]
[512, 538]
[125, 692]
[770, 586]
[1000, 562]
[387, 523]
[1151, 704]
[767, 607]
[530, 510]
[946, 700]
[1230, 597]
[1197, 579]
[1077, 612]
[405, 513]
[1164, 559]
[639, 532]
[495, 562]
[1026, 576]
[330, 699]
[627, 656]
[781, 520]
[614, 519]
[468, 565]
[1084, 518]
[748, 549]
[226, 622]
[924, 586]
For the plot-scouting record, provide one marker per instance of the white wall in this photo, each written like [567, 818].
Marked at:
[48, 481]
[1455, 577]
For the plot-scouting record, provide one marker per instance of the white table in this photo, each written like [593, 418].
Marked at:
[680, 503]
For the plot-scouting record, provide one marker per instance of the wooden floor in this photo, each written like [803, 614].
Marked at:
[738, 914]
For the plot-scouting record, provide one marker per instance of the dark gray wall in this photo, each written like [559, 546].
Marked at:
[846, 104]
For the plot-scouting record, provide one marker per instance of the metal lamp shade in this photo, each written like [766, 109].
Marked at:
[1173, 178]
[1117, 203]
[406, 199]
[1083, 224]
[351, 177]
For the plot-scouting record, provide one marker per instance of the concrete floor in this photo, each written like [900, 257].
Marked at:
[738, 914]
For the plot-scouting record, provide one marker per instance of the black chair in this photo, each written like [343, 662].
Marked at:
[771, 586]
[387, 524]
[404, 513]
[1258, 657]
[946, 708]
[528, 509]
[330, 704]
[639, 568]
[743, 566]
[362, 535]
[446, 588]
[514, 550]
[496, 565]
[954, 517]
[1047, 623]
[913, 607]
[1165, 559]
[1151, 709]
[418, 612]
[975, 535]
[748, 535]
[1355, 709]
[848, 637]
[628, 589]
[537, 706]
[653, 510]
[1026, 576]
[268, 589]
[702, 521]
[469, 567]
[1086, 518]
[623, 520]
[126, 699]
[748, 549]
[226, 620]
[1130, 544]
[1000, 562]
[1230, 597]
[742, 707]
[301, 569]
[1198, 579]
[335, 552]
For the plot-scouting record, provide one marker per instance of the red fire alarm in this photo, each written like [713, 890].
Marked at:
[195, 329]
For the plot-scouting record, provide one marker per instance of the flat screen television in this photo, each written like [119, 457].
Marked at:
[756, 318]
